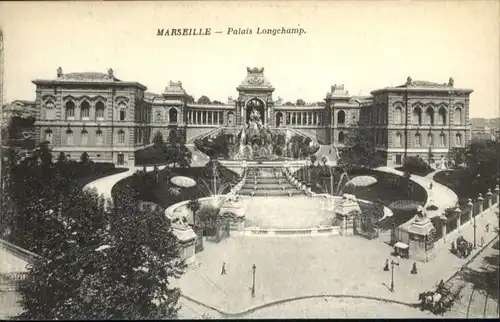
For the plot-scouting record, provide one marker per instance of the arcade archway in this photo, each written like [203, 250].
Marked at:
[255, 109]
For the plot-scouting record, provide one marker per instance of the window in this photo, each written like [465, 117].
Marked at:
[122, 108]
[99, 110]
[121, 137]
[399, 139]
[398, 159]
[430, 115]
[69, 137]
[341, 137]
[417, 116]
[70, 110]
[417, 139]
[98, 137]
[85, 109]
[430, 139]
[458, 139]
[172, 114]
[340, 117]
[442, 139]
[458, 116]
[49, 110]
[442, 116]
[397, 115]
[85, 137]
[48, 136]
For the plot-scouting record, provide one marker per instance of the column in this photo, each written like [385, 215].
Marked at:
[470, 204]
[480, 200]
[497, 194]
[459, 219]
[195, 117]
[488, 197]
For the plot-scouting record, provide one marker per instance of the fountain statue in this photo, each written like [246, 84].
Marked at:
[255, 139]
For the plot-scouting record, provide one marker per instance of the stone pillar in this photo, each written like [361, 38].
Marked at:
[421, 242]
[470, 204]
[443, 227]
[480, 200]
[497, 194]
[489, 196]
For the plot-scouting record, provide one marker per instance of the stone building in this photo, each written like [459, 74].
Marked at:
[110, 119]
[417, 118]
[94, 113]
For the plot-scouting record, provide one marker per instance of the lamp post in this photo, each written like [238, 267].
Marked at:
[392, 274]
[253, 283]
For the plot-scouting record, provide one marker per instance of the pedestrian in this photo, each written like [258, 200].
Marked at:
[386, 267]
[223, 271]
[487, 227]
[430, 186]
[482, 241]
[453, 249]
[414, 268]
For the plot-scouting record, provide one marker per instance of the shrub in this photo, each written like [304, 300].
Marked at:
[405, 205]
[416, 165]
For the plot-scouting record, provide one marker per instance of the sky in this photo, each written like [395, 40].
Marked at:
[364, 45]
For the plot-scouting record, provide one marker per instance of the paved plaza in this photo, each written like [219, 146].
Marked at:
[303, 266]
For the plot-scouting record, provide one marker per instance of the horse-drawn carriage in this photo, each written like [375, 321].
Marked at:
[440, 300]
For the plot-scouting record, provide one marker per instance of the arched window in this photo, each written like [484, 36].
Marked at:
[458, 116]
[442, 116]
[341, 137]
[98, 137]
[442, 139]
[430, 139]
[429, 113]
[340, 117]
[69, 137]
[85, 137]
[121, 137]
[49, 110]
[70, 110]
[417, 139]
[172, 114]
[99, 110]
[85, 110]
[417, 116]
[399, 139]
[122, 108]
[230, 119]
[48, 136]
[458, 139]
[397, 115]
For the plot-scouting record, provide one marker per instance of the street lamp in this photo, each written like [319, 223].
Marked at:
[392, 274]
[471, 205]
[253, 284]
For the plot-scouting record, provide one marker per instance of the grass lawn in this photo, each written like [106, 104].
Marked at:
[86, 179]
[165, 194]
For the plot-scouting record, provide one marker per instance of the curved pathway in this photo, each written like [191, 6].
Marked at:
[440, 195]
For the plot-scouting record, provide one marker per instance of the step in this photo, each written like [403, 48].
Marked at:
[271, 193]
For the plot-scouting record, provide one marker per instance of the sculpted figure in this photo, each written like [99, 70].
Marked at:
[59, 71]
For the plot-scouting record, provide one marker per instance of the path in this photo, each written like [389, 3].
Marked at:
[440, 195]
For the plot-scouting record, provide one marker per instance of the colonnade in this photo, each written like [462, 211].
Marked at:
[205, 117]
[302, 118]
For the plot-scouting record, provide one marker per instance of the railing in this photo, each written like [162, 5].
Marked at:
[289, 232]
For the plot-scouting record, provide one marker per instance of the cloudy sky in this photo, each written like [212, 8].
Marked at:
[363, 44]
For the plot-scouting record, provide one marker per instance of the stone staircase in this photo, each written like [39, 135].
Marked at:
[268, 182]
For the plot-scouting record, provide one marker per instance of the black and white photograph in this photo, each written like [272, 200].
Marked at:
[249, 159]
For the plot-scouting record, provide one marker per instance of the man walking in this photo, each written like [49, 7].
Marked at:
[223, 271]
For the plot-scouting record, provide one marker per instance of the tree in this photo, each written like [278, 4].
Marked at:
[430, 156]
[62, 157]
[84, 158]
[114, 264]
[288, 103]
[158, 140]
[360, 150]
[300, 102]
[177, 152]
[482, 159]
[194, 205]
[204, 100]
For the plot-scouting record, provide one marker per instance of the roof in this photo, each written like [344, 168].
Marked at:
[212, 106]
[24, 102]
[338, 91]
[87, 77]
[255, 80]
[423, 85]
[175, 88]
